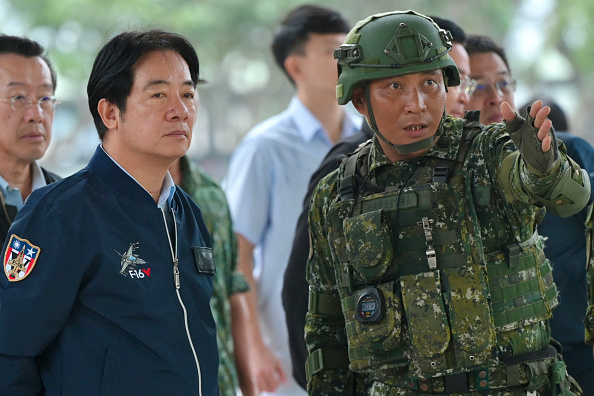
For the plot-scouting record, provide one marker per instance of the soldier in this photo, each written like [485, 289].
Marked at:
[426, 272]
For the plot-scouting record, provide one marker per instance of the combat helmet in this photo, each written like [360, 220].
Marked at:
[392, 44]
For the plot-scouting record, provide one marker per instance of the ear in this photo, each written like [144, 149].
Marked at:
[110, 114]
[292, 66]
[359, 100]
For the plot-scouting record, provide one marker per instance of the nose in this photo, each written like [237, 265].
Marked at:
[33, 113]
[180, 108]
[463, 97]
[415, 101]
[494, 97]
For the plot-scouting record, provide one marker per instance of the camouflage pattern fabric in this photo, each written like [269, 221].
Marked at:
[496, 225]
[589, 318]
[227, 281]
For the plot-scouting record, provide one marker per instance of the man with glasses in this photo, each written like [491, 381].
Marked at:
[494, 84]
[27, 105]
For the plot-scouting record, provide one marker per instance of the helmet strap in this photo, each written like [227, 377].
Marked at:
[402, 148]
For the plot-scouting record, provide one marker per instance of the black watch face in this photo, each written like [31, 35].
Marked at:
[369, 305]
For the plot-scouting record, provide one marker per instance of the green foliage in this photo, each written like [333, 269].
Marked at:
[233, 39]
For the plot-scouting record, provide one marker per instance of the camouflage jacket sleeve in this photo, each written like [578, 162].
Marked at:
[324, 332]
[589, 319]
[564, 191]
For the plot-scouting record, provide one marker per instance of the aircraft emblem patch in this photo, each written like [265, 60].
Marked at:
[19, 258]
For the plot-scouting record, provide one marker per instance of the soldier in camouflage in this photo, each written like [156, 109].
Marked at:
[426, 272]
[228, 283]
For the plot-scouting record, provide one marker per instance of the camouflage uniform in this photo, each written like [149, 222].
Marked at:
[448, 244]
[227, 281]
[589, 319]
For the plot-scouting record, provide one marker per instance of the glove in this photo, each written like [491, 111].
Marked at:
[523, 133]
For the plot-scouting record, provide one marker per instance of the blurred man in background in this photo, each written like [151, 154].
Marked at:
[269, 172]
[27, 106]
[494, 83]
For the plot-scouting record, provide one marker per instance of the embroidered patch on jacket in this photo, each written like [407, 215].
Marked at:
[130, 260]
[19, 258]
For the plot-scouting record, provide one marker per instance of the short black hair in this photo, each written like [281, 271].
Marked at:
[477, 44]
[28, 48]
[458, 34]
[112, 77]
[557, 115]
[293, 33]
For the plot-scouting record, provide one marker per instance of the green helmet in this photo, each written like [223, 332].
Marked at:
[391, 44]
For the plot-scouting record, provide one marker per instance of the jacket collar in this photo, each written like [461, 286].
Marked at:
[106, 169]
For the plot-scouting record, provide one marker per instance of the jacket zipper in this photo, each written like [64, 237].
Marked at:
[177, 287]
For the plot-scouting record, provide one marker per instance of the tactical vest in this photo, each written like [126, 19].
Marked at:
[416, 286]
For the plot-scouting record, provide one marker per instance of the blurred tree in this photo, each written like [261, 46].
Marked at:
[233, 39]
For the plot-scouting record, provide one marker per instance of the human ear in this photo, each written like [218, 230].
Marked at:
[110, 114]
[359, 100]
[292, 66]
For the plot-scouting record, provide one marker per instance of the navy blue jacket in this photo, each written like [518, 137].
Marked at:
[78, 326]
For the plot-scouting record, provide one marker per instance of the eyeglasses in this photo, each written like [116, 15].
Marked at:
[503, 87]
[18, 102]
[467, 85]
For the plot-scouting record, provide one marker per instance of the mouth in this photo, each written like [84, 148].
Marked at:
[33, 136]
[178, 133]
[415, 130]
[495, 118]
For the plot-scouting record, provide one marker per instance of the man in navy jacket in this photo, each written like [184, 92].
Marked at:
[108, 273]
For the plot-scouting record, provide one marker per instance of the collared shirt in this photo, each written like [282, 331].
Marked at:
[267, 179]
[12, 195]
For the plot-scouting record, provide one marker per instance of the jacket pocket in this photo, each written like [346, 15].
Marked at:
[111, 370]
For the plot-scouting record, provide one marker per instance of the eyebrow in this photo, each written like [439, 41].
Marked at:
[20, 84]
[152, 83]
[499, 74]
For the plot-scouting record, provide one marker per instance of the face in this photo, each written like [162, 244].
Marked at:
[25, 133]
[407, 108]
[317, 70]
[160, 112]
[457, 97]
[489, 70]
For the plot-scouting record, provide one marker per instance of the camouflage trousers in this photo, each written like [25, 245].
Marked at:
[381, 389]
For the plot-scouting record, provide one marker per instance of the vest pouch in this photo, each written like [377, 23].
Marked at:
[369, 244]
[374, 343]
[522, 289]
[471, 321]
[428, 329]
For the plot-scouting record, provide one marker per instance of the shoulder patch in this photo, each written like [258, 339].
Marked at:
[19, 258]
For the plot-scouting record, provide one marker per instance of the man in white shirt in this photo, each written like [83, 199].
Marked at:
[268, 177]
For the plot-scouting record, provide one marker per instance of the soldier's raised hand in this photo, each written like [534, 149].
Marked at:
[534, 136]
